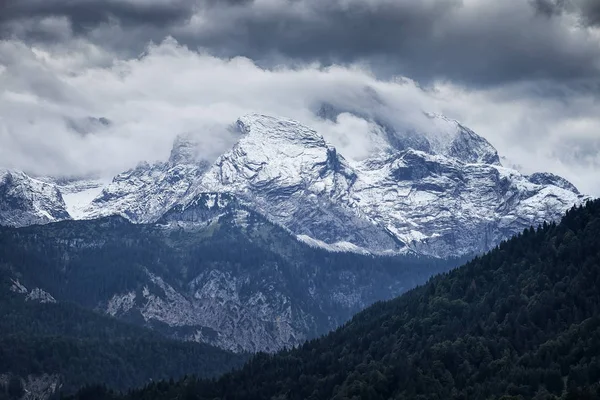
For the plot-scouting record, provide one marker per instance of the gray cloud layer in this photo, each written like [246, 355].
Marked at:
[587, 11]
[476, 42]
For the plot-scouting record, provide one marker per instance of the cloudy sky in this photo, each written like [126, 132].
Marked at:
[95, 86]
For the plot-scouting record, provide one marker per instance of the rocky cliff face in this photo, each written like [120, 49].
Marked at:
[442, 206]
[146, 192]
[35, 387]
[213, 271]
[290, 174]
[455, 198]
[28, 201]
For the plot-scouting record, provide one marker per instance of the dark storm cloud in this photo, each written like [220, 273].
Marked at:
[549, 8]
[323, 31]
[86, 14]
[590, 11]
[89, 13]
[475, 42]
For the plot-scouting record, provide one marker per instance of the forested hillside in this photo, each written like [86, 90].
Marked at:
[83, 347]
[521, 322]
[223, 283]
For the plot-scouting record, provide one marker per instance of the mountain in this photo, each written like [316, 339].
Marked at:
[290, 174]
[451, 200]
[521, 322]
[213, 271]
[146, 192]
[439, 135]
[28, 201]
[439, 192]
[77, 192]
[60, 342]
[450, 138]
[441, 206]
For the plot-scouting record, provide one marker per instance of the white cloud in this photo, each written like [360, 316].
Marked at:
[171, 90]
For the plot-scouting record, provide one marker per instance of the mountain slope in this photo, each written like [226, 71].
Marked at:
[28, 201]
[453, 199]
[439, 192]
[213, 271]
[439, 135]
[290, 174]
[438, 205]
[446, 137]
[520, 321]
[81, 347]
[146, 192]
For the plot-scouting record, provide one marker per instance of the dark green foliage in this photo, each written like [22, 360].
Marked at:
[15, 388]
[522, 322]
[84, 347]
[87, 262]
[120, 363]
[84, 263]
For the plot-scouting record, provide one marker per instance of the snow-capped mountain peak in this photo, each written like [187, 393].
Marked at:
[280, 130]
[145, 193]
[185, 150]
[432, 133]
[290, 174]
[27, 201]
[448, 137]
[439, 192]
[281, 154]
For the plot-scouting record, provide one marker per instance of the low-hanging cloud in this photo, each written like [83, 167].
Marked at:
[61, 114]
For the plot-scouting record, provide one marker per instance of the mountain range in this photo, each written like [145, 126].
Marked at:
[441, 192]
[278, 241]
[56, 345]
[212, 271]
[521, 322]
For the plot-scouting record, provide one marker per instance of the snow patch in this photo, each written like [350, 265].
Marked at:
[17, 287]
[121, 304]
[79, 195]
[40, 295]
[35, 294]
[338, 247]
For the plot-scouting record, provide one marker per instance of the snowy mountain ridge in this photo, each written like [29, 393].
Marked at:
[442, 192]
[28, 201]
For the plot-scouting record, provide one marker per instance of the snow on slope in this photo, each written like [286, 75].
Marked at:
[78, 194]
[290, 174]
[145, 193]
[27, 201]
[452, 200]
[441, 192]
[441, 206]
[448, 137]
[333, 247]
